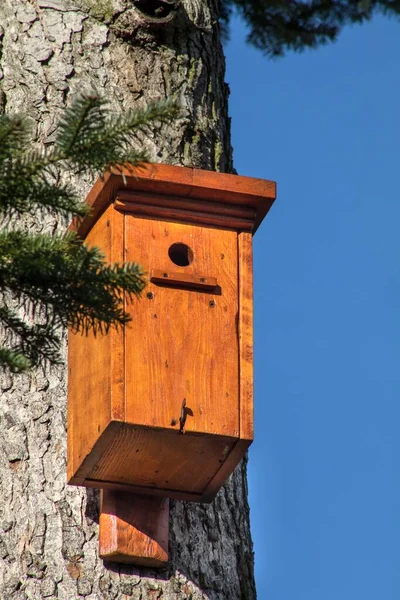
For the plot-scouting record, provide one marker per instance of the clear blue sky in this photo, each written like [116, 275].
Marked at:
[324, 471]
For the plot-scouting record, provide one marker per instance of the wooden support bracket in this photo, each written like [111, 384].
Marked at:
[184, 280]
[133, 528]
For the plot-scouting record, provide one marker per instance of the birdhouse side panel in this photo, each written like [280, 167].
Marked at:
[245, 245]
[95, 363]
[182, 355]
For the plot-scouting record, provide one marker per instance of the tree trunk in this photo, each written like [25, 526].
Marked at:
[49, 51]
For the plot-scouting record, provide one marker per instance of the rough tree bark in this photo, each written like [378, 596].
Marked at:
[50, 50]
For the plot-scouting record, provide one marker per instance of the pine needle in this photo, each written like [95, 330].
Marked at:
[55, 279]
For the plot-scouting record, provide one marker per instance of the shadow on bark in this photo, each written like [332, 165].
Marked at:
[203, 538]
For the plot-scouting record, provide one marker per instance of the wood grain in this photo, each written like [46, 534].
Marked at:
[133, 528]
[188, 344]
[163, 460]
[186, 211]
[168, 180]
[227, 467]
[245, 324]
[183, 280]
[126, 197]
[160, 462]
[96, 387]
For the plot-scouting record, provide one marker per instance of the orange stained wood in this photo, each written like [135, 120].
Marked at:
[133, 528]
[163, 461]
[183, 344]
[199, 212]
[183, 280]
[96, 387]
[181, 182]
[245, 323]
[165, 407]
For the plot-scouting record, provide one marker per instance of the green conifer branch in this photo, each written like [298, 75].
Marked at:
[56, 280]
[276, 26]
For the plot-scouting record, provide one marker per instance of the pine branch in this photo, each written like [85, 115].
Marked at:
[106, 139]
[13, 360]
[20, 195]
[66, 282]
[277, 25]
[57, 280]
[30, 343]
[90, 139]
[14, 134]
[81, 117]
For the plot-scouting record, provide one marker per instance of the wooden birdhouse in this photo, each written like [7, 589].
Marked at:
[165, 406]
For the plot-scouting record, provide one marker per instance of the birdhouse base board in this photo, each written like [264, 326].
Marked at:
[160, 462]
[133, 529]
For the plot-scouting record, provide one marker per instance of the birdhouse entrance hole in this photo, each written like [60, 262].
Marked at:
[181, 254]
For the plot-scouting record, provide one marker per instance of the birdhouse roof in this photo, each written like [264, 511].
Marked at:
[181, 193]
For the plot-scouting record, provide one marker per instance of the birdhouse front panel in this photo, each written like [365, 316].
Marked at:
[166, 406]
[182, 345]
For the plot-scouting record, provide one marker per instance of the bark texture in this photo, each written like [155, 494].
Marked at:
[49, 51]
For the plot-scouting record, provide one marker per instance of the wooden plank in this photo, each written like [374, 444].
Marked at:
[143, 490]
[172, 350]
[96, 391]
[133, 528]
[201, 183]
[227, 467]
[92, 454]
[161, 463]
[126, 197]
[222, 470]
[163, 459]
[245, 324]
[180, 182]
[157, 462]
[186, 280]
[117, 342]
[182, 215]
